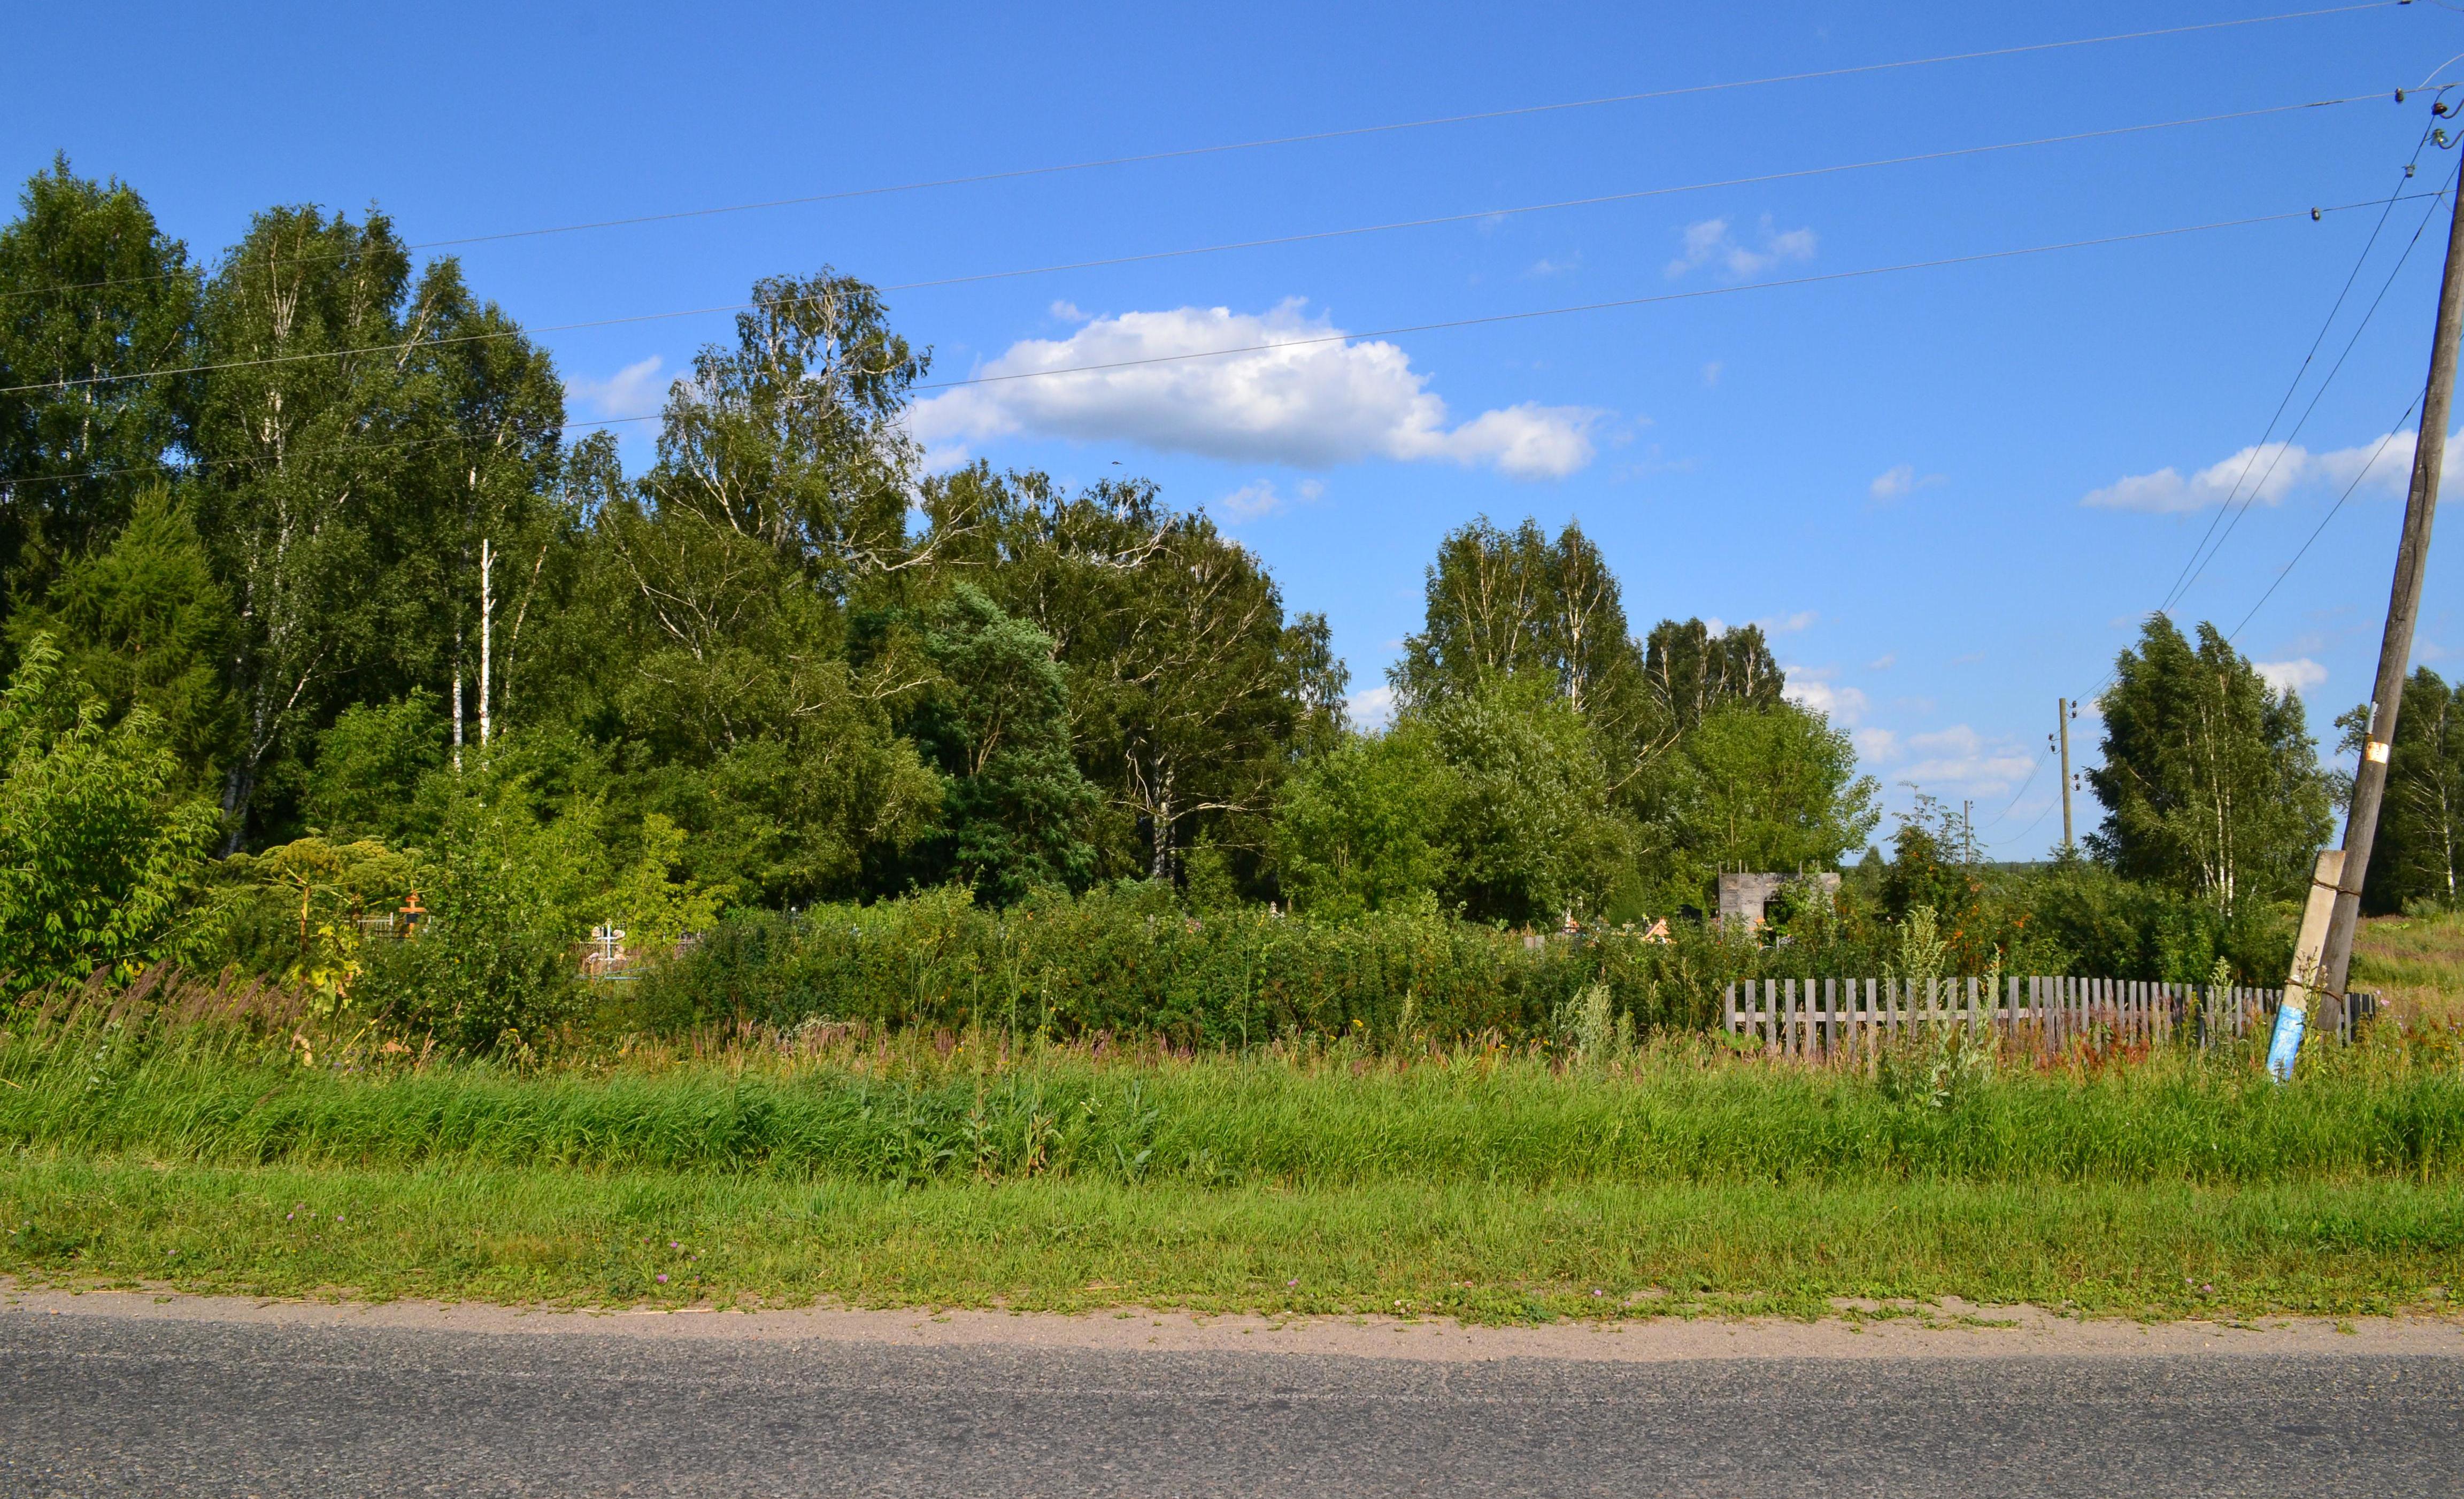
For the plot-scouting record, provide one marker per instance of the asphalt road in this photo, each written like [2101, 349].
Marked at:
[96, 1406]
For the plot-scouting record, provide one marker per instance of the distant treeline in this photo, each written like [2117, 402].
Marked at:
[313, 604]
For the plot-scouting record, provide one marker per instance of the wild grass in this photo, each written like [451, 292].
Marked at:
[2417, 963]
[208, 1137]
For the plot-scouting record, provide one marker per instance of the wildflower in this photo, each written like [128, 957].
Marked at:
[1291, 1283]
[663, 1280]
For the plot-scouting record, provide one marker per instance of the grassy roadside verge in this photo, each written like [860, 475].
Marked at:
[913, 1169]
[1471, 1250]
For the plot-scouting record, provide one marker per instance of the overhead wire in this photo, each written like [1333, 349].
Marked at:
[1697, 293]
[502, 333]
[2277, 458]
[1311, 137]
[2286, 571]
[2183, 579]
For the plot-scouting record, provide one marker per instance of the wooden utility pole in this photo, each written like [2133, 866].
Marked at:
[2404, 606]
[2062, 720]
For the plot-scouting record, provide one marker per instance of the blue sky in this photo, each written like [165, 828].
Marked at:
[1949, 493]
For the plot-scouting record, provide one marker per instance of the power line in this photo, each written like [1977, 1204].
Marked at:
[1945, 261]
[2316, 395]
[1186, 152]
[2182, 579]
[2286, 571]
[497, 335]
[1939, 263]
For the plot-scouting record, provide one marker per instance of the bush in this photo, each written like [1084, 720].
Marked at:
[492, 968]
[97, 855]
[1128, 959]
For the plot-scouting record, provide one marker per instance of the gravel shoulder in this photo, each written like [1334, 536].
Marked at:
[1949, 1329]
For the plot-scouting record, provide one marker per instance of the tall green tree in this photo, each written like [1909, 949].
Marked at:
[2419, 852]
[90, 291]
[365, 430]
[794, 435]
[1529, 835]
[1515, 602]
[144, 624]
[1767, 786]
[1192, 693]
[2210, 780]
[996, 722]
[1692, 672]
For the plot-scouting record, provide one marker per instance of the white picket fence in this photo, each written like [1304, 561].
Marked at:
[1823, 1018]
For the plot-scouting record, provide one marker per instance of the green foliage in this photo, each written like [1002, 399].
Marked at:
[366, 779]
[144, 623]
[303, 912]
[1760, 786]
[2210, 780]
[2418, 852]
[1130, 959]
[651, 902]
[1528, 834]
[90, 287]
[1514, 603]
[1692, 672]
[1358, 829]
[97, 853]
[492, 967]
[997, 724]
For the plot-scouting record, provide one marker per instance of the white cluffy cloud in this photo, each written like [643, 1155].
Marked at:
[634, 391]
[1260, 498]
[1300, 393]
[2265, 475]
[1811, 687]
[1371, 707]
[1901, 481]
[2297, 675]
[1957, 760]
[1711, 242]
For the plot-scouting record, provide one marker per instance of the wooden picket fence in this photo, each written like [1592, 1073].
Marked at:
[1820, 1019]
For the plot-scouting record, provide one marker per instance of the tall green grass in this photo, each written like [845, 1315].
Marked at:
[849, 1104]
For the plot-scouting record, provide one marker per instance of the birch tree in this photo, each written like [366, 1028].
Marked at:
[2209, 781]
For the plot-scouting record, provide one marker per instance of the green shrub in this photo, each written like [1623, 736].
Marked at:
[1130, 959]
[493, 966]
[98, 855]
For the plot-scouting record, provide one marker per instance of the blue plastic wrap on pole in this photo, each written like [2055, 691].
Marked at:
[2286, 1044]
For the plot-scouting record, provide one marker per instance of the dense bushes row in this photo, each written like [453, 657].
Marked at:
[1132, 960]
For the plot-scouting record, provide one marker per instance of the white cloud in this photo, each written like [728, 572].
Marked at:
[1711, 372]
[1875, 744]
[1811, 688]
[1959, 759]
[1067, 312]
[1710, 242]
[1304, 395]
[1261, 499]
[1546, 266]
[1789, 623]
[1900, 481]
[1882, 662]
[1371, 707]
[2265, 475]
[2297, 675]
[633, 391]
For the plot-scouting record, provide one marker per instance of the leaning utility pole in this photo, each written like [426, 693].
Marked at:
[2404, 606]
[2062, 717]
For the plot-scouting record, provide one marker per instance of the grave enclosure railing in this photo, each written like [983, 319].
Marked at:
[1819, 1019]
